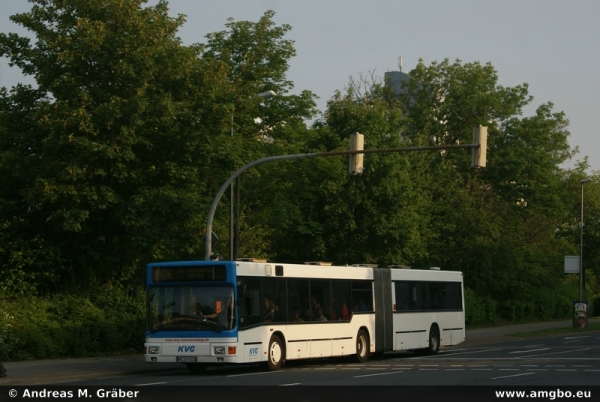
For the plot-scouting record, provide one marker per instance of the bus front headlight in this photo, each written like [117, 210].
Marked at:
[153, 350]
[219, 350]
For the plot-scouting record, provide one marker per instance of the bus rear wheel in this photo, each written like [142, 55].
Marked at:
[362, 346]
[275, 355]
[434, 341]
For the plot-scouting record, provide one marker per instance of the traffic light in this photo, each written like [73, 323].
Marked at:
[357, 143]
[480, 138]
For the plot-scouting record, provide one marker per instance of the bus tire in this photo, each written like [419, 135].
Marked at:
[362, 346]
[434, 341]
[275, 354]
[196, 367]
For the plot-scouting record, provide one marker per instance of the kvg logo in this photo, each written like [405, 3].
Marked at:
[184, 349]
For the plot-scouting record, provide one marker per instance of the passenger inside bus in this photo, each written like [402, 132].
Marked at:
[269, 310]
[205, 311]
[320, 316]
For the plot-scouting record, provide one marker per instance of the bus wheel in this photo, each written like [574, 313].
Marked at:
[196, 367]
[275, 354]
[434, 341]
[362, 346]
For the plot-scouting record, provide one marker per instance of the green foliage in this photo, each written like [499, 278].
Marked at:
[71, 326]
[479, 310]
[113, 159]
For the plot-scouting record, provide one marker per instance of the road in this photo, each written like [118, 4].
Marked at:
[486, 358]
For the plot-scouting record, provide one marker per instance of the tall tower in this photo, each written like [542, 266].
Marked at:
[396, 78]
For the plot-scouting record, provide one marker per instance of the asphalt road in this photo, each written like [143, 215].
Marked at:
[487, 357]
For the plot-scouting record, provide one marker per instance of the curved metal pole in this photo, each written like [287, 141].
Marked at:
[213, 207]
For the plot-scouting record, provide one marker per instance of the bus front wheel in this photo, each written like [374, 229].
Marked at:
[275, 354]
[362, 346]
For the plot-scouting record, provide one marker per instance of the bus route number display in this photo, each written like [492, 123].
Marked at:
[189, 274]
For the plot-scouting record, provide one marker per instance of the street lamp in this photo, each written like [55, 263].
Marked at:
[233, 216]
[581, 273]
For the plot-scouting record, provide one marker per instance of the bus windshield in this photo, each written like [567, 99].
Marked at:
[190, 308]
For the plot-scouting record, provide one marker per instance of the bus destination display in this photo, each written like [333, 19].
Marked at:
[189, 274]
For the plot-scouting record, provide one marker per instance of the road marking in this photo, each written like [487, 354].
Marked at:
[509, 376]
[150, 383]
[528, 351]
[466, 353]
[289, 385]
[247, 374]
[371, 375]
[554, 353]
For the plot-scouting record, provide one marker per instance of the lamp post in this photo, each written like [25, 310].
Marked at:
[581, 273]
[233, 214]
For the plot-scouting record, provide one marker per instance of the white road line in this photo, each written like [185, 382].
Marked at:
[466, 353]
[509, 376]
[247, 374]
[554, 353]
[371, 375]
[289, 385]
[150, 383]
[528, 351]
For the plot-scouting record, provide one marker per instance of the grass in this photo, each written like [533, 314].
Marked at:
[558, 331]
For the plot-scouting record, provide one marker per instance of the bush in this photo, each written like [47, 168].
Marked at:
[479, 310]
[72, 326]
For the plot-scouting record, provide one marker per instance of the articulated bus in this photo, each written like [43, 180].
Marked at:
[204, 313]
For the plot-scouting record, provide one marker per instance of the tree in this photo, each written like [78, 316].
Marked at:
[113, 159]
[106, 144]
[498, 225]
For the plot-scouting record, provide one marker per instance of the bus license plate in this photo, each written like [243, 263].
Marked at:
[187, 359]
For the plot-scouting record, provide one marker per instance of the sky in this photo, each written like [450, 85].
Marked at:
[553, 45]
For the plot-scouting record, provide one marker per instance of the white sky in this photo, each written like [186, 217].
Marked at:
[553, 45]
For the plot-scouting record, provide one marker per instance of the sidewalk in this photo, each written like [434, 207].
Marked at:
[63, 370]
[493, 334]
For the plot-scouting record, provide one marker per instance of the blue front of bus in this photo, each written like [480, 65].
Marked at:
[191, 313]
